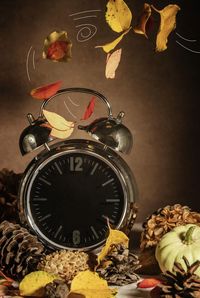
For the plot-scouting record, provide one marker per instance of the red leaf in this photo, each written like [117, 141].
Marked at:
[57, 50]
[90, 109]
[148, 283]
[46, 91]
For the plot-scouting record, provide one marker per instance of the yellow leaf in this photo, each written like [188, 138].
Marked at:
[33, 283]
[140, 28]
[57, 121]
[110, 46]
[61, 134]
[112, 64]
[118, 15]
[115, 237]
[167, 25]
[90, 285]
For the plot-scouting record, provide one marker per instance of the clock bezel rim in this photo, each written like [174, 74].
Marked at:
[110, 157]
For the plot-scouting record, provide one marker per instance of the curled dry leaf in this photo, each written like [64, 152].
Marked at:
[90, 285]
[167, 25]
[111, 45]
[57, 47]
[118, 15]
[90, 109]
[115, 237]
[46, 91]
[112, 63]
[61, 128]
[140, 28]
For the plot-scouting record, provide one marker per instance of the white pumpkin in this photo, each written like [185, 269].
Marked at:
[179, 242]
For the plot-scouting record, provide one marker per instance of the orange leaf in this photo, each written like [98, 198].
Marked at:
[112, 63]
[89, 109]
[44, 92]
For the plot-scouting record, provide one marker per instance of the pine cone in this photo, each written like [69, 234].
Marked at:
[19, 250]
[163, 221]
[9, 184]
[181, 283]
[119, 266]
[56, 289]
[66, 264]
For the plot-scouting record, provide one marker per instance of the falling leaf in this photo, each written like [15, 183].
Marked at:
[57, 47]
[44, 92]
[90, 285]
[90, 109]
[140, 28]
[61, 134]
[118, 15]
[110, 46]
[115, 237]
[167, 25]
[57, 121]
[112, 63]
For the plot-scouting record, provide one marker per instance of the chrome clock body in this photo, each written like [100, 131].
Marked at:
[94, 169]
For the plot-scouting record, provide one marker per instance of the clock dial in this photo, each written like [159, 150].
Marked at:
[71, 197]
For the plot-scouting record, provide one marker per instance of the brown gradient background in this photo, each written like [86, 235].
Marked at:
[158, 91]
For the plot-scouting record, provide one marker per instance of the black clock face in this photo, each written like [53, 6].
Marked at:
[71, 197]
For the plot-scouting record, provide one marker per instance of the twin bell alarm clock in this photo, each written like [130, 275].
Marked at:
[73, 188]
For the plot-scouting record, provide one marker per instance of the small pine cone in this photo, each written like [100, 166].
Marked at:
[181, 283]
[66, 264]
[119, 266]
[56, 289]
[20, 251]
[9, 184]
[163, 221]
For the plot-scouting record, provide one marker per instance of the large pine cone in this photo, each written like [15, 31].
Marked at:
[9, 185]
[156, 226]
[20, 251]
[181, 283]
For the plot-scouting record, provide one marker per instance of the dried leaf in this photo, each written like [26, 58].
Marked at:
[115, 237]
[90, 109]
[140, 28]
[118, 15]
[110, 46]
[46, 91]
[57, 121]
[57, 47]
[61, 134]
[33, 283]
[90, 285]
[167, 25]
[112, 63]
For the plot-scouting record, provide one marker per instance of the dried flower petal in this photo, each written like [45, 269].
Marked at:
[46, 91]
[112, 63]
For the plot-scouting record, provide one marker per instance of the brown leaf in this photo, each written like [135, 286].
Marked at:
[167, 25]
[112, 63]
[141, 26]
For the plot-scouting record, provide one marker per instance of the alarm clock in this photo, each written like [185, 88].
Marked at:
[74, 189]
